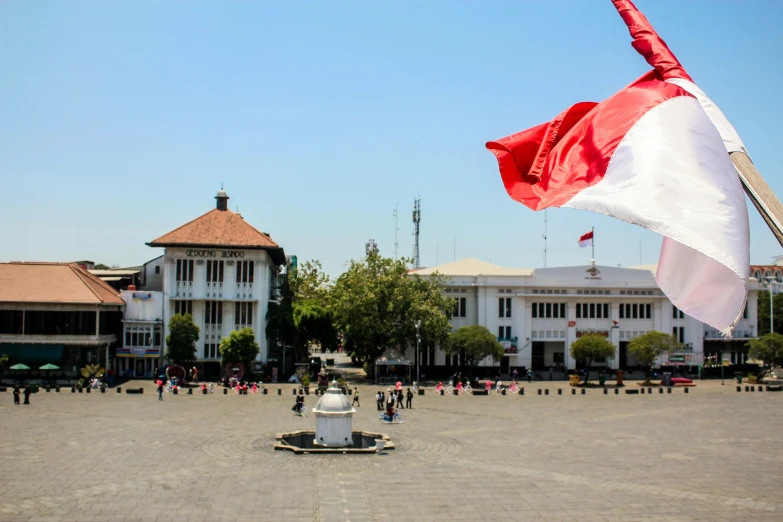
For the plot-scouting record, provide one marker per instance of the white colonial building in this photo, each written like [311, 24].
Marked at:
[538, 313]
[223, 272]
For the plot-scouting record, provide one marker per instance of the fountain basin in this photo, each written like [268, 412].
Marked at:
[304, 441]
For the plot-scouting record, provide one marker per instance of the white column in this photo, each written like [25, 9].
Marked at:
[570, 336]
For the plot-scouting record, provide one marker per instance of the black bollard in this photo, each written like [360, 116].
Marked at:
[265, 390]
[660, 391]
[521, 391]
[175, 391]
[546, 392]
[747, 388]
[617, 391]
[573, 391]
[119, 389]
[642, 391]
[73, 389]
[47, 389]
[539, 391]
[103, 390]
[584, 392]
[606, 392]
[649, 390]
[761, 388]
[442, 391]
[560, 391]
[687, 390]
[80, 389]
[752, 388]
[668, 390]
[225, 391]
[279, 391]
[190, 391]
[204, 391]
[293, 391]
[739, 389]
[57, 389]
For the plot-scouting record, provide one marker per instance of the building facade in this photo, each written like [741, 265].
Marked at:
[223, 272]
[57, 313]
[141, 342]
[537, 315]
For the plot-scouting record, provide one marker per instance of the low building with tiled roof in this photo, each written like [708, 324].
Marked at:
[57, 313]
[222, 271]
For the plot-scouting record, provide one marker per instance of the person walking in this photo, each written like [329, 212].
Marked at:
[355, 396]
[17, 395]
[529, 375]
[27, 393]
[160, 390]
[379, 400]
[515, 374]
[409, 399]
[399, 399]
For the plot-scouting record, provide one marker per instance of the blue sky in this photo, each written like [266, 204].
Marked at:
[120, 120]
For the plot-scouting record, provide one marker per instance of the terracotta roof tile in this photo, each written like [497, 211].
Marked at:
[216, 228]
[53, 283]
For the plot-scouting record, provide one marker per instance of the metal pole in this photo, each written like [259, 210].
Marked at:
[771, 310]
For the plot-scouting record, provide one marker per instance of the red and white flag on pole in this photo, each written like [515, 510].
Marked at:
[586, 240]
[655, 155]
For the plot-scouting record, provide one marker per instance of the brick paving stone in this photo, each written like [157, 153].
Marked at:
[713, 454]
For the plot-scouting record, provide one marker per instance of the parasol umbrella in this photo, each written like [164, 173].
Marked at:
[49, 366]
[20, 366]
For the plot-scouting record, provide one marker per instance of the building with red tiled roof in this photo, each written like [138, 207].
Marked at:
[222, 271]
[57, 313]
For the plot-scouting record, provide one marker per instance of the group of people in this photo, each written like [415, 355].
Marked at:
[18, 393]
[389, 398]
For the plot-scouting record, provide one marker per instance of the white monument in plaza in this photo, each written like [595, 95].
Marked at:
[333, 418]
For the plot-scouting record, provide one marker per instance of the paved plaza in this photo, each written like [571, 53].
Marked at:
[712, 454]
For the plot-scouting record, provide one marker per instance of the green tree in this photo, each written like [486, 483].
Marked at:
[763, 312]
[648, 347]
[181, 341]
[302, 316]
[473, 344]
[239, 347]
[313, 324]
[769, 350]
[590, 348]
[376, 304]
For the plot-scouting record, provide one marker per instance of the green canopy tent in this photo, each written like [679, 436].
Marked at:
[49, 367]
[20, 366]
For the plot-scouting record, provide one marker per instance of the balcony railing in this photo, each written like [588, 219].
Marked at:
[214, 289]
[183, 289]
[244, 291]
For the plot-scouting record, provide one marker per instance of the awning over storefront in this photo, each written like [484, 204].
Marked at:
[33, 353]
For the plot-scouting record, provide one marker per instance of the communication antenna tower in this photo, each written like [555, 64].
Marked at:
[371, 246]
[416, 221]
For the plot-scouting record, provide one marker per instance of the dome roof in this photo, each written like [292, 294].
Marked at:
[333, 401]
[222, 194]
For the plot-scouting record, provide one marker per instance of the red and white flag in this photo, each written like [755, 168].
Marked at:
[655, 155]
[586, 240]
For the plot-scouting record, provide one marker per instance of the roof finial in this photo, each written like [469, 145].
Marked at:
[222, 199]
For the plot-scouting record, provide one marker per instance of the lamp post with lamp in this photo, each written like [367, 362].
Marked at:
[418, 340]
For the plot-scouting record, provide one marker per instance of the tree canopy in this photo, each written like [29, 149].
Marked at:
[590, 348]
[648, 347]
[474, 343]
[181, 341]
[763, 312]
[239, 347]
[376, 304]
[769, 350]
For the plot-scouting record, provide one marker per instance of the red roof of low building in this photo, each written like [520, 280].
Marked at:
[35, 282]
[216, 228]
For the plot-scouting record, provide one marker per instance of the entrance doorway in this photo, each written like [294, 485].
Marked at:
[504, 365]
[538, 356]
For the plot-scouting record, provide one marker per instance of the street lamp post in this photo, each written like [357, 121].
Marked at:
[418, 340]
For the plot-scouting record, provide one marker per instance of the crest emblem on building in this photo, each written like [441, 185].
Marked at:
[593, 271]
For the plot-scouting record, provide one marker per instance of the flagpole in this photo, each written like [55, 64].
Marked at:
[592, 242]
[760, 193]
